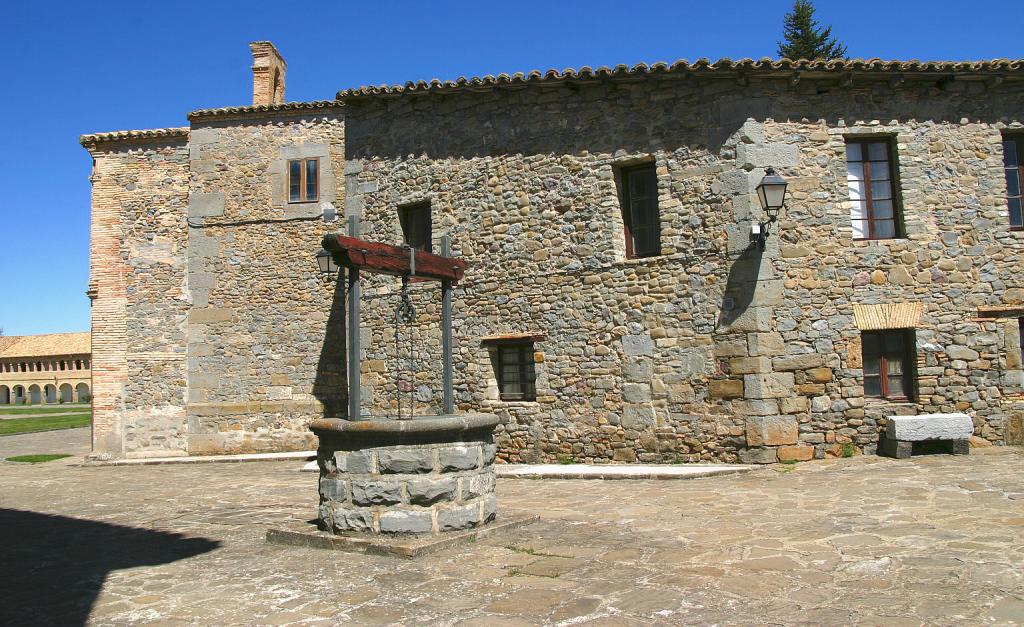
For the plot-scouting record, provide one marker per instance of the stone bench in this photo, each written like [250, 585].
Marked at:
[950, 431]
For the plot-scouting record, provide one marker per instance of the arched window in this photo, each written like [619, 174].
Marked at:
[39, 366]
[24, 367]
[78, 364]
[62, 364]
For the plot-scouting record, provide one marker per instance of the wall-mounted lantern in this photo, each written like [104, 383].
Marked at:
[325, 261]
[771, 193]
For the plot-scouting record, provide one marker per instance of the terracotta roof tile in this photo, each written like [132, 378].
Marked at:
[46, 345]
[698, 67]
[286, 106]
[115, 136]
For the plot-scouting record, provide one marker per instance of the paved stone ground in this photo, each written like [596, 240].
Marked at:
[70, 441]
[935, 540]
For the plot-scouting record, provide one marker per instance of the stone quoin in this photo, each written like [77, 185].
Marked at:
[614, 308]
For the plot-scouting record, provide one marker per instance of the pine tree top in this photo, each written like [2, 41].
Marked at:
[805, 39]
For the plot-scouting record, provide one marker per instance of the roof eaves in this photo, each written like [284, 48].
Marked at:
[141, 135]
[705, 67]
[260, 109]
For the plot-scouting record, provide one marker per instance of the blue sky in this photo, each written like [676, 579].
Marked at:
[82, 67]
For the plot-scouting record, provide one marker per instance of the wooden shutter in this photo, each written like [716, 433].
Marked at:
[642, 215]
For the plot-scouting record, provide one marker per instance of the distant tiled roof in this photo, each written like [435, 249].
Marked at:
[725, 67]
[117, 136]
[46, 345]
[273, 108]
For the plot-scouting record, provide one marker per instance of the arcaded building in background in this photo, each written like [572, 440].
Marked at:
[45, 369]
[616, 307]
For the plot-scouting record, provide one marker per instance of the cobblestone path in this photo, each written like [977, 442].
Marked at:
[934, 540]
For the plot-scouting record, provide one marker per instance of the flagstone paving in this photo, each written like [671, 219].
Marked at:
[935, 540]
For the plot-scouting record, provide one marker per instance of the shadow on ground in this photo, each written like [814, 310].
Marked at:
[53, 567]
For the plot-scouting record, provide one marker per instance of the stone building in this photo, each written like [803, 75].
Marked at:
[45, 369]
[617, 307]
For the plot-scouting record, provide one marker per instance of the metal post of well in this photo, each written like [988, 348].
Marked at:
[446, 334]
[354, 404]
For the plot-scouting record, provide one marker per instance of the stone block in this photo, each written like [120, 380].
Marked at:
[348, 519]
[725, 388]
[406, 521]
[458, 458]
[205, 204]
[752, 319]
[376, 492]
[793, 404]
[795, 453]
[749, 365]
[1015, 429]
[334, 489]
[771, 430]
[490, 450]
[638, 417]
[207, 315]
[490, 508]
[758, 456]
[772, 385]
[460, 517]
[775, 155]
[405, 460]
[477, 485]
[636, 392]
[929, 427]
[961, 352]
[756, 407]
[798, 362]
[819, 375]
[430, 491]
[766, 344]
[638, 345]
[354, 462]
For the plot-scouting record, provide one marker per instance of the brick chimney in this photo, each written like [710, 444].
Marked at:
[268, 68]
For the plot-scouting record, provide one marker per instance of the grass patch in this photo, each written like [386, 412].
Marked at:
[849, 450]
[37, 459]
[22, 410]
[15, 426]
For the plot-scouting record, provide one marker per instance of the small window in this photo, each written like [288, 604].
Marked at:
[1020, 335]
[62, 365]
[304, 180]
[888, 363]
[874, 210]
[515, 371]
[640, 213]
[1013, 167]
[416, 225]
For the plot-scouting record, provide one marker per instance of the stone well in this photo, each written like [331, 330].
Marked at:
[426, 474]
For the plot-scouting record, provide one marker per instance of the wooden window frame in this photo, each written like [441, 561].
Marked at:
[303, 168]
[627, 210]
[527, 370]
[406, 222]
[909, 359]
[1018, 138]
[869, 210]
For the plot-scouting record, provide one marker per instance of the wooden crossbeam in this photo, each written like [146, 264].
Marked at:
[352, 252]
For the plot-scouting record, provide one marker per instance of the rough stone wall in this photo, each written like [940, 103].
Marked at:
[712, 351]
[265, 353]
[140, 190]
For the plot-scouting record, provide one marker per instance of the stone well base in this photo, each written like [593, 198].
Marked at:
[422, 475]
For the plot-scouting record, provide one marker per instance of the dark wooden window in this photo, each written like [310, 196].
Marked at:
[1020, 335]
[640, 213]
[874, 208]
[515, 371]
[304, 180]
[889, 362]
[1013, 166]
[416, 225]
